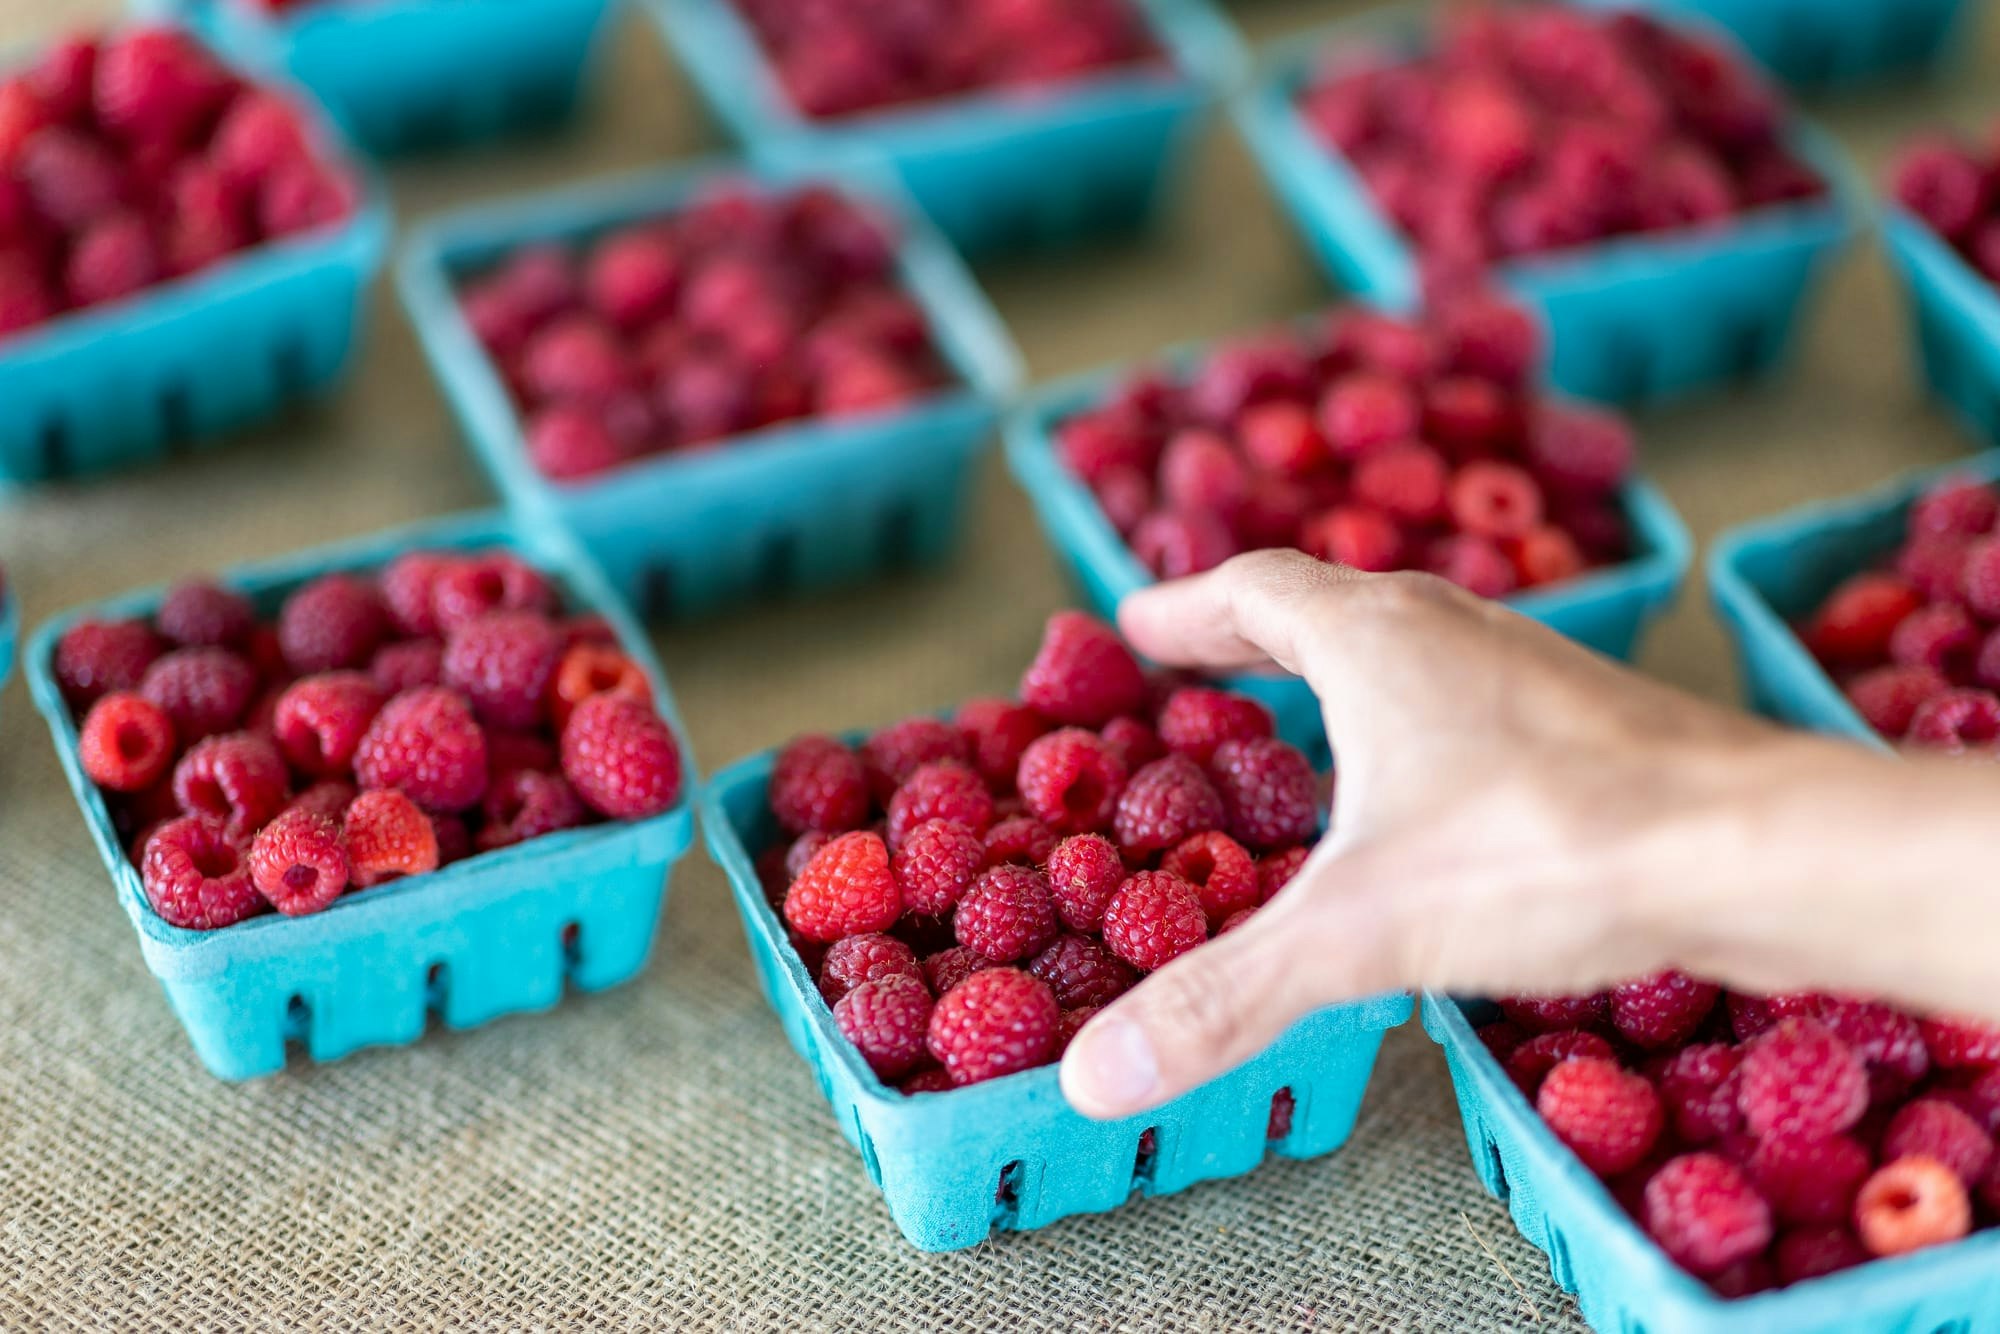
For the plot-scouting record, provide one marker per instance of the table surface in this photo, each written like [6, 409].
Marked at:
[657, 1156]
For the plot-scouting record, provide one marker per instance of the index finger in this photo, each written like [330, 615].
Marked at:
[1254, 610]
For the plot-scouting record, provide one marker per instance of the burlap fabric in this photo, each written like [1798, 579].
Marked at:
[657, 1157]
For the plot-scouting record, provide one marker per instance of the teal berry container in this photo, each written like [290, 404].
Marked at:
[498, 933]
[401, 75]
[1624, 1282]
[797, 506]
[1608, 609]
[1812, 44]
[994, 171]
[1010, 1154]
[1630, 319]
[1767, 576]
[10, 631]
[181, 363]
[1956, 313]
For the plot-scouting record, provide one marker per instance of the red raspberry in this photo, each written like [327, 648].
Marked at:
[801, 851]
[203, 690]
[817, 783]
[1957, 722]
[1503, 1037]
[1201, 472]
[1494, 500]
[947, 968]
[1909, 1204]
[427, 744]
[888, 1021]
[1019, 840]
[1663, 1010]
[1363, 411]
[1809, 1182]
[1579, 451]
[1070, 1025]
[1705, 1213]
[297, 862]
[590, 669]
[72, 179]
[1800, 1080]
[570, 441]
[258, 136]
[1281, 437]
[1547, 555]
[1888, 698]
[1082, 973]
[998, 731]
[387, 836]
[1698, 1086]
[155, 84]
[1956, 507]
[1007, 914]
[1153, 919]
[1855, 622]
[1545, 1014]
[407, 586]
[1986, 665]
[334, 622]
[860, 959]
[1268, 793]
[1174, 544]
[238, 779]
[1531, 1060]
[329, 797]
[632, 277]
[931, 1080]
[1751, 1015]
[1889, 1042]
[1355, 536]
[112, 258]
[575, 358]
[1979, 578]
[1939, 181]
[1474, 564]
[622, 758]
[1277, 870]
[1083, 675]
[1961, 1044]
[1197, 719]
[407, 665]
[195, 876]
[1404, 481]
[504, 662]
[508, 752]
[94, 658]
[1071, 781]
[523, 804]
[845, 890]
[454, 837]
[1222, 872]
[995, 1023]
[60, 78]
[1608, 1116]
[1097, 444]
[1167, 802]
[1469, 418]
[1815, 1253]
[935, 864]
[127, 743]
[204, 615]
[469, 587]
[1250, 370]
[1942, 636]
[1083, 873]
[1135, 744]
[1937, 1130]
[320, 721]
[1934, 566]
[894, 753]
[943, 790]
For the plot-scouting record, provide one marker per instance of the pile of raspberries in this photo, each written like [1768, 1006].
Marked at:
[381, 727]
[134, 158]
[1765, 1140]
[969, 893]
[1535, 128]
[833, 57]
[744, 310]
[1916, 644]
[1365, 439]
[1956, 190]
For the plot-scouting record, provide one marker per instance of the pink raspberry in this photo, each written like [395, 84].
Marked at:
[1200, 471]
[1816, 1252]
[1698, 1086]
[576, 358]
[633, 276]
[203, 690]
[407, 665]
[1406, 482]
[94, 658]
[320, 721]
[1889, 1042]
[995, 1023]
[1082, 972]
[1278, 869]
[1750, 1015]
[1934, 1129]
[935, 864]
[1071, 781]
[1019, 840]
[888, 1021]
[1083, 873]
[333, 623]
[154, 83]
[1887, 698]
[1167, 802]
[237, 779]
[622, 758]
[1529, 1063]
[1174, 544]
[1663, 1010]
[1007, 914]
[942, 790]
[1497, 501]
[1355, 536]
[1153, 919]
[856, 960]
[571, 441]
[1082, 675]
[894, 753]
[1855, 622]
[1956, 507]
[112, 258]
[1957, 722]
[1799, 1080]
[387, 837]
[1580, 451]
[1282, 437]
[1705, 1213]
[1909, 1204]
[1545, 1014]
[1474, 564]
[72, 179]
[1609, 1117]
[1269, 795]
[1942, 636]
[504, 662]
[407, 584]
[524, 804]
[1135, 744]
[427, 744]
[126, 743]
[1962, 1044]
[1197, 719]
[467, 587]
[998, 732]
[195, 875]
[845, 890]
[1222, 872]
[298, 863]
[947, 968]
[819, 784]
[199, 614]
[1363, 411]
[1809, 1182]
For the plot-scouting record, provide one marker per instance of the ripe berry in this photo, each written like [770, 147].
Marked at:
[1705, 1214]
[1800, 1080]
[203, 690]
[1364, 411]
[1082, 972]
[1889, 1043]
[1153, 919]
[1609, 1117]
[1909, 1204]
[860, 959]
[996, 1022]
[1529, 1063]
[888, 1021]
[1887, 698]
[1083, 675]
[622, 758]
[1083, 873]
[894, 753]
[1071, 781]
[237, 779]
[298, 863]
[334, 622]
[1544, 1014]
[466, 588]
[194, 875]
[1809, 1182]
[387, 836]
[1962, 1044]
[947, 968]
[504, 662]
[593, 669]
[1855, 622]
[1167, 802]
[1007, 914]
[1957, 722]
[817, 783]
[1268, 793]
[1937, 1130]
[1019, 840]
[1816, 1252]
[200, 614]
[1663, 1010]
[522, 804]
[1220, 869]
[845, 890]
[1698, 1087]
[1494, 500]
[943, 790]
[998, 732]
[1278, 869]
[319, 722]
[94, 658]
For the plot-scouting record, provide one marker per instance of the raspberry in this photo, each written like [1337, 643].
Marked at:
[454, 838]
[1095, 445]
[1167, 802]
[508, 752]
[1279, 1124]
[1957, 722]
[947, 968]
[127, 743]
[1197, 719]
[1484, 336]
[1751, 1015]
[998, 732]
[407, 665]
[203, 690]
[1474, 564]
[935, 864]
[1809, 1182]
[1082, 973]
[1494, 500]
[943, 790]
[994, 1023]
[1547, 555]
[1545, 1014]
[1855, 622]
[1247, 371]
[1929, 1128]
[1698, 1087]
[1610, 1118]
[204, 615]
[1020, 840]
[332, 623]
[1979, 578]
[932, 1080]
[1941, 636]
[1889, 1042]
[1406, 482]
[1531, 1060]
[1704, 1212]
[817, 783]
[1580, 451]
[1960, 1044]
[1469, 419]
[1153, 919]
[427, 744]
[888, 1021]
[894, 753]
[1363, 411]
[407, 584]
[1281, 437]
[329, 797]
[1222, 872]
[468, 587]
[622, 758]
[1355, 536]
[1800, 1080]
[632, 277]
[259, 135]
[590, 669]
[1277, 870]
[1888, 698]
[1268, 793]
[800, 852]
[504, 662]
[1940, 182]
[1082, 675]
[1070, 1025]
[237, 779]
[523, 804]
[1135, 744]
[94, 658]
[570, 441]
[1071, 781]
[1934, 566]
[1909, 1204]
[1958, 507]
[859, 959]
[1083, 873]
[845, 890]
[72, 179]
[1663, 1010]
[1815, 1253]
[1175, 544]
[114, 257]
[1201, 471]
[155, 84]
[319, 722]
[1986, 666]
[1007, 914]
[297, 862]
[195, 876]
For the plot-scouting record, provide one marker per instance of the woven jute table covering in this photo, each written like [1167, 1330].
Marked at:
[657, 1157]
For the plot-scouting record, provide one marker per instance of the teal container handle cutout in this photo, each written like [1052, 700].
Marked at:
[1955, 312]
[1624, 1282]
[1814, 44]
[1630, 319]
[498, 933]
[1010, 1154]
[796, 506]
[993, 171]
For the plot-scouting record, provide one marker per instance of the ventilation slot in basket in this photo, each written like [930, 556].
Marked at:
[1631, 365]
[572, 950]
[1144, 1160]
[656, 592]
[176, 416]
[288, 366]
[1278, 1124]
[298, 1027]
[437, 993]
[56, 461]
[1007, 1196]
[777, 564]
[1753, 340]
[899, 534]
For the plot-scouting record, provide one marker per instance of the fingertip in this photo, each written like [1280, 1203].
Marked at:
[1110, 1069]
